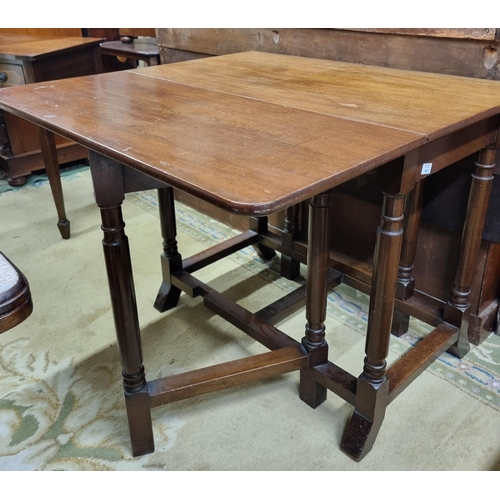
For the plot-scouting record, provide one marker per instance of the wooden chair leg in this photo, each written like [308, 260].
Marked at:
[171, 260]
[457, 310]
[49, 155]
[316, 295]
[373, 385]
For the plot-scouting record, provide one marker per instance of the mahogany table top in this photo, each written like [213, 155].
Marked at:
[255, 132]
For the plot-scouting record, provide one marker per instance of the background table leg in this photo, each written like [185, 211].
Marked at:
[457, 310]
[49, 155]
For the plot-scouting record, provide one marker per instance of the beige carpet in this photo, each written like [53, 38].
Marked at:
[61, 404]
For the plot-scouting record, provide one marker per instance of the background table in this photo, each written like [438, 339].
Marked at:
[142, 49]
[26, 59]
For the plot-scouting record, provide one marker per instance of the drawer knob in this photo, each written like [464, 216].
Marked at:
[3, 77]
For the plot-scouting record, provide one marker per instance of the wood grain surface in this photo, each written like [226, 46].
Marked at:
[25, 46]
[424, 103]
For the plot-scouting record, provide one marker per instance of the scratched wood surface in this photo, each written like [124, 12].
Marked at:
[263, 140]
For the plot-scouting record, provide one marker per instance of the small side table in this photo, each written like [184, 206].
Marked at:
[141, 49]
[24, 148]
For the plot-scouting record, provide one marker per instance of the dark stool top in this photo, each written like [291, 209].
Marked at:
[15, 295]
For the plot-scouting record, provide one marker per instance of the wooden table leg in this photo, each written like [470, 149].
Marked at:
[106, 175]
[290, 268]
[171, 260]
[259, 225]
[372, 385]
[316, 295]
[406, 283]
[49, 155]
[457, 310]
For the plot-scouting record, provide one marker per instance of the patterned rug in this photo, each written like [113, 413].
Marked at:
[56, 412]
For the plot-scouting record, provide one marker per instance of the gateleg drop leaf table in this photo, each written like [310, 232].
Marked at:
[255, 133]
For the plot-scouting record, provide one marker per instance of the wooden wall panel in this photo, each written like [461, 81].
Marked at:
[474, 33]
[454, 56]
[137, 32]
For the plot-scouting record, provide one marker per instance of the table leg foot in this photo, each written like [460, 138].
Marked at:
[364, 425]
[167, 298]
[64, 228]
[259, 225]
[310, 391]
[290, 268]
[400, 323]
[139, 421]
[462, 346]
[17, 181]
[265, 253]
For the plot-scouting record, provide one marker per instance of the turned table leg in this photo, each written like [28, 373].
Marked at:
[457, 310]
[316, 295]
[373, 385]
[406, 282]
[171, 260]
[108, 190]
[49, 155]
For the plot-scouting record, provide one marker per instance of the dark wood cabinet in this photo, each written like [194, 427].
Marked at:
[25, 59]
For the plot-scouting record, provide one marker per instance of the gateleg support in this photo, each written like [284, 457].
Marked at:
[314, 342]
[406, 283]
[259, 225]
[171, 260]
[457, 310]
[372, 385]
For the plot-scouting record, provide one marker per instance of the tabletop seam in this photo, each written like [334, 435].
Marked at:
[354, 120]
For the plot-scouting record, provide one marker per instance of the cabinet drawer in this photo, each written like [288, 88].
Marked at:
[11, 75]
